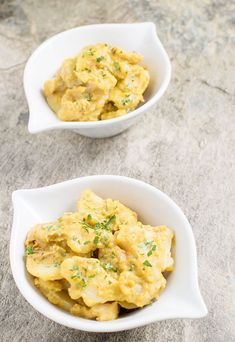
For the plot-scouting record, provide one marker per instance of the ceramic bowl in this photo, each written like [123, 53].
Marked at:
[47, 58]
[181, 297]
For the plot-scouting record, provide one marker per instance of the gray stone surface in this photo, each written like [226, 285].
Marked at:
[184, 146]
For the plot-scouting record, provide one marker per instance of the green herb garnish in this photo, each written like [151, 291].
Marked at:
[86, 242]
[90, 52]
[29, 250]
[98, 226]
[110, 220]
[76, 275]
[152, 247]
[147, 263]
[109, 267]
[126, 100]
[74, 238]
[91, 276]
[116, 66]
[99, 59]
[74, 268]
[81, 283]
[85, 225]
[113, 255]
[96, 240]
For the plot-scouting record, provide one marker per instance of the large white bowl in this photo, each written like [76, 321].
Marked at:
[181, 297]
[47, 58]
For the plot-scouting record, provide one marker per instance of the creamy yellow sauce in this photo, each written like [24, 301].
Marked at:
[98, 259]
[100, 83]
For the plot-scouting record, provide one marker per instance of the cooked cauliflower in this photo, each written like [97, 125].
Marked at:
[100, 83]
[100, 258]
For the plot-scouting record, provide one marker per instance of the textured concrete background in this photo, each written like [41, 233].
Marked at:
[184, 146]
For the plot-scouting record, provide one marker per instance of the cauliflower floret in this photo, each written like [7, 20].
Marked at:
[46, 263]
[150, 245]
[83, 238]
[125, 99]
[114, 260]
[98, 75]
[131, 57]
[136, 80]
[97, 79]
[89, 280]
[100, 209]
[42, 234]
[53, 291]
[94, 57]
[91, 261]
[67, 73]
[78, 103]
[135, 290]
[88, 203]
[55, 85]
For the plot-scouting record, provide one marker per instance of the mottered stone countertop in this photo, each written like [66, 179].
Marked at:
[184, 146]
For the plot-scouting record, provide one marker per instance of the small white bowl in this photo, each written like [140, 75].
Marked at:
[47, 58]
[181, 297]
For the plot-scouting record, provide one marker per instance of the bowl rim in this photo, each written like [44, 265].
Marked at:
[86, 324]
[102, 123]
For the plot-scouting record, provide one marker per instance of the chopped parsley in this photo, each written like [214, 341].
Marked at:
[90, 52]
[99, 59]
[116, 66]
[85, 226]
[74, 268]
[110, 220]
[99, 225]
[91, 276]
[113, 255]
[109, 267]
[29, 250]
[76, 275]
[152, 247]
[74, 238]
[96, 240]
[81, 283]
[86, 242]
[147, 263]
[126, 100]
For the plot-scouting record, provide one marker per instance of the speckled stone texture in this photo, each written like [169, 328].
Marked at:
[184, 146]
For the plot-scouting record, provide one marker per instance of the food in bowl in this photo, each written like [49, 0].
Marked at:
[100, 83]
[99, 259]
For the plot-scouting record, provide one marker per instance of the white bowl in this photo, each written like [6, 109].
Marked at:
[47, 58]
[181, 297]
